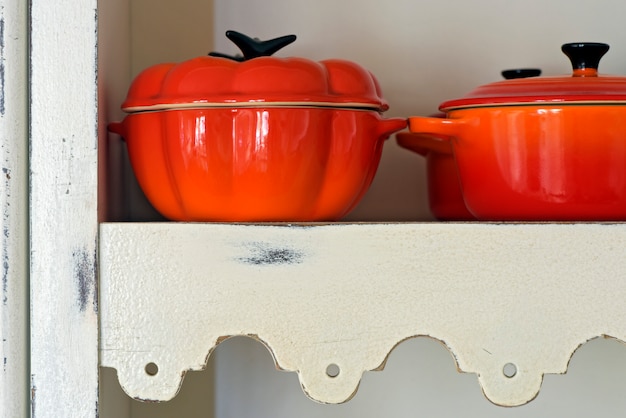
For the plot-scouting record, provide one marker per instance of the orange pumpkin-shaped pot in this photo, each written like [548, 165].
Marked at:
[257, 139]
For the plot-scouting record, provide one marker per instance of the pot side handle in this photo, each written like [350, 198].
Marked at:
[440, 128]
[386, 127]
[424, 144]
[117, 128]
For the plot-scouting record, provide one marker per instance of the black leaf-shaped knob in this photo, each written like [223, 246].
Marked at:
[252, 47]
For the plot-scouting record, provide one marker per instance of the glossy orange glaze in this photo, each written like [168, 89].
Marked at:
[538, 162]
[255, 164]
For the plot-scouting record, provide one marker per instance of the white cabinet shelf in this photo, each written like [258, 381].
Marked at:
[510, 301]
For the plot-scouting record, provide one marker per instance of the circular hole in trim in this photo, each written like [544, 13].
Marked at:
[332, 370]
[509, 370]
[152, 369]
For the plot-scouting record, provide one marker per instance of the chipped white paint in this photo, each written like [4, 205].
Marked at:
[515, 299]
[14, 393]
[63, 204]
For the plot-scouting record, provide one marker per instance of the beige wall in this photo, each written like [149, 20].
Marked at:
[169, 31]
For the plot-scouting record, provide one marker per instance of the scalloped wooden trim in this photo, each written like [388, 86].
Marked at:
[347, 294]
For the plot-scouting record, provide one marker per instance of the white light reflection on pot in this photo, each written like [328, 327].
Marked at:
[199, 142]
[554, 173]
[260, 140]
[262, 129]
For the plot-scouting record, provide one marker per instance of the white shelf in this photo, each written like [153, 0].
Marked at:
[498, 296]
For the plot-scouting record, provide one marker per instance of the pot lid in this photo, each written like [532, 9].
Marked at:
[584, 85]
[254, 79]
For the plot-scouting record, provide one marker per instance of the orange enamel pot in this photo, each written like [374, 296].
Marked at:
[543, 148]
[255, 164]
[257, 139]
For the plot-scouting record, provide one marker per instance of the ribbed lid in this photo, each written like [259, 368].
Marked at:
[253, 80]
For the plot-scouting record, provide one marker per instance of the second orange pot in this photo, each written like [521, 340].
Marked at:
[539, 163]
[255, 164]
[550, 149]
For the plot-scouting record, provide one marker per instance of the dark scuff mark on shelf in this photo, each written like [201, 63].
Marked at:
[267, 254]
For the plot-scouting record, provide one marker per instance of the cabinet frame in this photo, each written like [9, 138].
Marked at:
[64, 127]
[63, 188]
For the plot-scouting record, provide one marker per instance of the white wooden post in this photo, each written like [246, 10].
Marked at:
[63, 205]
[14, 210]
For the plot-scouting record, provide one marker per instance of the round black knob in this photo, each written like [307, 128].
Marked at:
[585, 55]
[521, 73]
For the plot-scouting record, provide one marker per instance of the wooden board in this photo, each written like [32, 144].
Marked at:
[510, 301]
[63, 208]
[14, 381]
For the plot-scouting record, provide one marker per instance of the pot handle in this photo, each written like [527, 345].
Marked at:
[386, 127]
[117, 128]
[424, 144]
[440, 128]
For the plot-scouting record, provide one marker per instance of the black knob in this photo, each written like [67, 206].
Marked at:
[585, 54]
[521, 73]
[252, 47]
